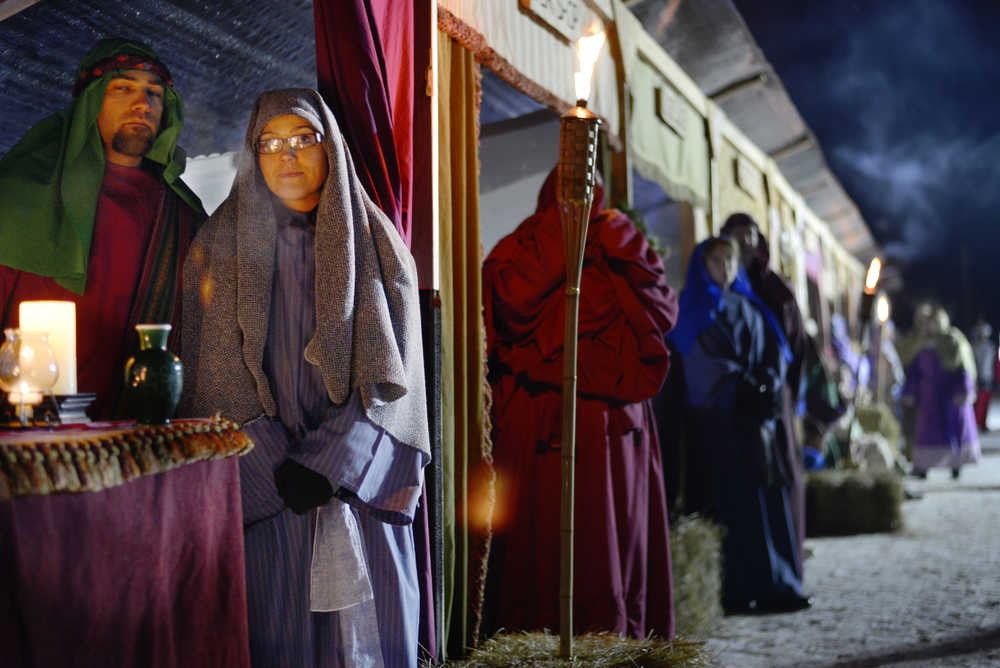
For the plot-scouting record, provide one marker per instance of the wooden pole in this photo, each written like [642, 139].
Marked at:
[575, 193]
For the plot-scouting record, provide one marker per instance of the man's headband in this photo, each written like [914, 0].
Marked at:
[125, 61]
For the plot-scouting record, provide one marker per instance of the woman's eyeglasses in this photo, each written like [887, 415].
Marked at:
[295, 142]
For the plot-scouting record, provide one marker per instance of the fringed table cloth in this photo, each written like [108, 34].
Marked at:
[122, 546]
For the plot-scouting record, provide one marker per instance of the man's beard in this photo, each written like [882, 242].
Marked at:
[132, 140]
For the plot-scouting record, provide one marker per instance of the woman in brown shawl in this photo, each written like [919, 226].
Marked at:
[302, 324]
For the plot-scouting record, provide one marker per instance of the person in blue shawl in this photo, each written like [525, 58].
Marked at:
[735, 357]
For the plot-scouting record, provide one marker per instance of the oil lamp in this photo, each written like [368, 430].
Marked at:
[28, 370]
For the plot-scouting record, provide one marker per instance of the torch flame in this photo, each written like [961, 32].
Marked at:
[588, 48]
[871, 278]
[882, 309]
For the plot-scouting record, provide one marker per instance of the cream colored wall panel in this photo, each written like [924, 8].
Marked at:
[538, 53]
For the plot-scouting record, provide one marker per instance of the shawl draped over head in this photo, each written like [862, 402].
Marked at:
[622, 322]
[368, 336]
[701, 299]
[763, 254]
[953, 350]
[51, 179]
[775, 293]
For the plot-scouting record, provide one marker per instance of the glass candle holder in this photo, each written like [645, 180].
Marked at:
[28, 369]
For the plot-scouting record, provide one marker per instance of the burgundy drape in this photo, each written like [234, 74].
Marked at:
[148, 574]
[395, 21]
[366, 97]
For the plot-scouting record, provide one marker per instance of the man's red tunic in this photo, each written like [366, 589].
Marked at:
[127, 210]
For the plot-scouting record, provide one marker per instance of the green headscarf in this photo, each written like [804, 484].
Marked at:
[953, 350]
[51, 179]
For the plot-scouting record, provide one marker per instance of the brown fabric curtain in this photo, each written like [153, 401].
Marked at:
[467, 455]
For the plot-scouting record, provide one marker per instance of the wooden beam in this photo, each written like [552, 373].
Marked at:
[798, 145]
[736, 87]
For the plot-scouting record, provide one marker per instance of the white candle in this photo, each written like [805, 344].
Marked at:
[59, 320]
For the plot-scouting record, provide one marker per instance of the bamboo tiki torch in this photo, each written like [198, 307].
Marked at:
[575, 193]
[865, 319]
[882, 315]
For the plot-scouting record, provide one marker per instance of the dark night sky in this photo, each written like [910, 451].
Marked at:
[904, 96]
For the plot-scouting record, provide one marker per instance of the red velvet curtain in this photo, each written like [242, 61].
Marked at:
[372, 103]
[395, 23]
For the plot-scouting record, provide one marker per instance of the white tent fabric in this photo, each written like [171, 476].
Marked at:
[713, 45]
[666, 126]
[539, 54]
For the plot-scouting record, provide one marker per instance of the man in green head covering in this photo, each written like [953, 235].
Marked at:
[93, 211]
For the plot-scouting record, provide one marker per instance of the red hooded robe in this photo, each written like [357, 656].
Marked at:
[622, 555]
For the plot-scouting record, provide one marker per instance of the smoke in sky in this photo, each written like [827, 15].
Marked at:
[902, 95]
[918, 156]
[926, 189]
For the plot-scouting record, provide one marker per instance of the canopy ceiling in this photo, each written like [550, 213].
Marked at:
[222, 53]
[710, 41]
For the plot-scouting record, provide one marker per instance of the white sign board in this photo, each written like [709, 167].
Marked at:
[563, 16]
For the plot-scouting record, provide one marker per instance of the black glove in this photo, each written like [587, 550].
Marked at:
[301, 488]
[756, 400]
[773, 404]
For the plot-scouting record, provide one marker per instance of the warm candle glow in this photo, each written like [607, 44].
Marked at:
[871, 278]
[26, 396]
[882, 309]
[588, 48]
[59, 320]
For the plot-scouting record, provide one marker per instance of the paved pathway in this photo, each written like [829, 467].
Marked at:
[926, 596]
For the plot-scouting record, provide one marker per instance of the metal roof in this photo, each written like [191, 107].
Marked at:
[222, 54]
[711, 42]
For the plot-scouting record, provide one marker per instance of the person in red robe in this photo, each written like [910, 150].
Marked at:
[778, 297]
[92, 210]
[622, 577]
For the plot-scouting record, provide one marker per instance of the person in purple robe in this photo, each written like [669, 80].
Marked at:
[302, 324]
[940, 387]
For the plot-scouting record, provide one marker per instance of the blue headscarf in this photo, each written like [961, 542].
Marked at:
[701, 299]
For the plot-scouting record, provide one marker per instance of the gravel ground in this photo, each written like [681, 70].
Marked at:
[928, 595]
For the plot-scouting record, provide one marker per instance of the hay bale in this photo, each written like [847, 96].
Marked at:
[592, 649]
[696, 565]
[844, 501]
[878, 418]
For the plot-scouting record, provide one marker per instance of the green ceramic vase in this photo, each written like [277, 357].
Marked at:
[153, 377]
